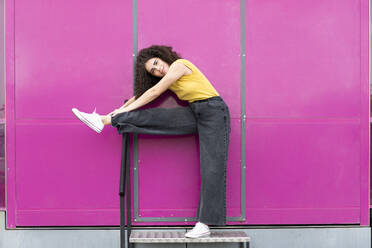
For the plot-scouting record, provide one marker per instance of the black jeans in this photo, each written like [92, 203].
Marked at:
[210, 118]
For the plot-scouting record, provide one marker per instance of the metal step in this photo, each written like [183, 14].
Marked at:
[179, 237]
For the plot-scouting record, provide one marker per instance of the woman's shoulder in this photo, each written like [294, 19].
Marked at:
[187, 63]
[183, 61]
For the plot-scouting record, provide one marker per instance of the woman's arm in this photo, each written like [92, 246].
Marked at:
[176, 70]
[125, 105]
[128, 102]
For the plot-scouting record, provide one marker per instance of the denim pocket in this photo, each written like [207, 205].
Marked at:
[216, 105]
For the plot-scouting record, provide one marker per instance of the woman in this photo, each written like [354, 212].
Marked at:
[157, 69]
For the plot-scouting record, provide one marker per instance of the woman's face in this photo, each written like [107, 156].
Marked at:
[156, 67]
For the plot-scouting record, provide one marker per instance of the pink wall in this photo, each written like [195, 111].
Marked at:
[2, 109]
[307, 110]
[204, 46]
[306, 100]
[68, 54]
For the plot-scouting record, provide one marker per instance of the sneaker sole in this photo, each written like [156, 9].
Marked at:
[199, 236]
[87, 122]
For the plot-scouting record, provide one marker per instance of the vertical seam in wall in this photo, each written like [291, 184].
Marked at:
[5, 99]
[242, 110]
[361, 116]
[360, 113]
[5, 108]
[369, 102]
[361, 109]
[135, 136]
[14, 112]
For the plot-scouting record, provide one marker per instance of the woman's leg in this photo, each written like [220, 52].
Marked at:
[213, 123]
[162, 121]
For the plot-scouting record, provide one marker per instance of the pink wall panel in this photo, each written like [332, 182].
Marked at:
[217, 55]
[303, 58]
[200, 37]
[2, 66]
[303, 169]
[169, 179]
[304, 92]
[69, 54]
[10, 114]
[315, 167]
[65, 168]
[72, 53]
[364, 117]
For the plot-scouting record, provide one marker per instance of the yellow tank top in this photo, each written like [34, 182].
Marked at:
[192, 87]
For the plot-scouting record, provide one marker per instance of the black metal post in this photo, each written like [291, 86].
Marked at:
[129, 206]
[125, 182]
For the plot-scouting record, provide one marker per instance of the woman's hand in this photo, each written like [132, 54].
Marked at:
[118, 111]
[113, 112]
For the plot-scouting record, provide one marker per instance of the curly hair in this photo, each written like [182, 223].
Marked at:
[144, 80]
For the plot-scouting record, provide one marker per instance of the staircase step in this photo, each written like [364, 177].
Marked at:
[179, 237]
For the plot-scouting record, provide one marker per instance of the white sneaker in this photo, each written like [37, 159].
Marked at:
[199, 230]
[93, 120]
